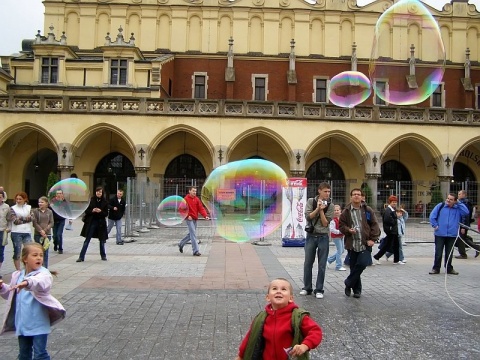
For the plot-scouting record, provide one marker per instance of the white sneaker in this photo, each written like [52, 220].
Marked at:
[399, 263]
[319, 295]
[342, 269]
[404, 260]
[304, 292]
[377, 262]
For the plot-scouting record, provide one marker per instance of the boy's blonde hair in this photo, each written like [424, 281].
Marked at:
[282, 279]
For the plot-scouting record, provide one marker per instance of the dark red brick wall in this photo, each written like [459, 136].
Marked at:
[181, 70]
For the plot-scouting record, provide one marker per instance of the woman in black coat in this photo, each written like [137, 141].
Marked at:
[95, 223]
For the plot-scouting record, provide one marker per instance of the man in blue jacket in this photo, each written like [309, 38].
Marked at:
[445, 219]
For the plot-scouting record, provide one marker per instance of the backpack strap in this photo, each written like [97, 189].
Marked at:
[439, 209]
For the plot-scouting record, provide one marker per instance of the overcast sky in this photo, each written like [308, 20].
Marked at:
[22, 18]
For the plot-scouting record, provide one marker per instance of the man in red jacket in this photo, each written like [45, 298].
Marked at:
[195, 207]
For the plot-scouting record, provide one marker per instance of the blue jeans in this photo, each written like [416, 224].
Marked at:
[443, 242]
[338, 255]
[2, 248]
[192, 236]
[18, 239]
[118, 228]
[37, 239]
[315, 244]
[37, 344]
[58, 234]
[91, 230]
[358, 262]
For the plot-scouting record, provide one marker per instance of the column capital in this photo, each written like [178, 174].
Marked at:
[444, 178]
[65, 167]
[142, 169]
[297, 173]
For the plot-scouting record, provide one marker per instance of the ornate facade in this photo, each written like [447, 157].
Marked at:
[173, 88]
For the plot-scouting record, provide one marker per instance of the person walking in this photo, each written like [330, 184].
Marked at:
[58, 222]
[21, 218]
[402, 216]
[445, 218]
[195, 207]
[95, 225]
[360, 227]
[465, 240]
[337, 238]
[390, 227]
[116, 209]
[42, 223]
[4, 227]
[319, 212]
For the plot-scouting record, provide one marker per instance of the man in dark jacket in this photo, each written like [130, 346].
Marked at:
[58, 223]
[116, 209]
[390, 226]
[360, 227]
[466, 220]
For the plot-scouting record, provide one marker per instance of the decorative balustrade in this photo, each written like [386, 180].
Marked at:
[236, 108]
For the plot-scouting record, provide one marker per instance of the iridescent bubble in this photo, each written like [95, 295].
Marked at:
[69, 198]
[172, 210]
[244, 198]
[411, 83]
[349, 88]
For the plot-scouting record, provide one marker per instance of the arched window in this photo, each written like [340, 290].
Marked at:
[182, 172]
[395, 180]
[326, 169]
[464, 179]
[112, 172]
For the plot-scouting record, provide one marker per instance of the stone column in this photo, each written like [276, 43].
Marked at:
[445, 185]
[372, 181]
[65, 171]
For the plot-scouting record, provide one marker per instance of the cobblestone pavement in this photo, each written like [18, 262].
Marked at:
[148, 301]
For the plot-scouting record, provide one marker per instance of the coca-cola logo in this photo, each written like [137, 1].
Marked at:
[296, 182]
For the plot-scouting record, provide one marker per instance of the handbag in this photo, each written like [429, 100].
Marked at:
[45, 243]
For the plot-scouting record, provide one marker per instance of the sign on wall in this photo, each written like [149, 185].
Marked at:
[293, 208]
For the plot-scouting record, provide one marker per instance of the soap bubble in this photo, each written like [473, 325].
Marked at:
[349, 88]
[69, 198]
[172, 210]
[244, 198]
[404, 89]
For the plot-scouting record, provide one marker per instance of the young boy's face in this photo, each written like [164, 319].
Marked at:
[279, 294]
[399, 214]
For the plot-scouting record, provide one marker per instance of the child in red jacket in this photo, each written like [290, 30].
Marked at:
[274, 332]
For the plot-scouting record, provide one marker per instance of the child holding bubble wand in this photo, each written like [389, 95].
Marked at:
[31, 309]
[271, 336]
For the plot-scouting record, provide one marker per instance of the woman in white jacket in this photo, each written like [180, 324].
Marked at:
[21, 219]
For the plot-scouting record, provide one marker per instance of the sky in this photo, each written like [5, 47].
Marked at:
[25, 17]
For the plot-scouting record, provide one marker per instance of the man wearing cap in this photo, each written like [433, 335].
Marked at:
[390, 226]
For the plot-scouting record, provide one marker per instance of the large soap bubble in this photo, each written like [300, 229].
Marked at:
[408, 21]
[244, 198]
[69, 198]
[349, 88]
[172, 210]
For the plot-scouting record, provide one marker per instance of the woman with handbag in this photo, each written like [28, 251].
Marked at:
[95, 224]
[42, 223]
